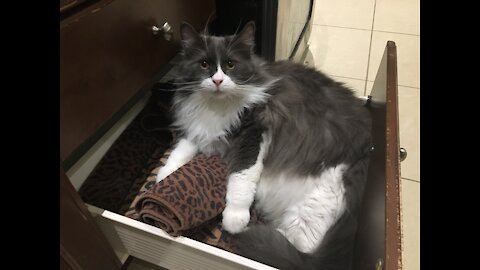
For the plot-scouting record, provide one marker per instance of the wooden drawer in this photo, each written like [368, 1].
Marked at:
[83, 111]
[378, 243]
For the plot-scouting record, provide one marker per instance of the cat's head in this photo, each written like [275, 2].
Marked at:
[219, 66]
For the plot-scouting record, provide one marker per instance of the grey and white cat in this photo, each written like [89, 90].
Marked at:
[295, 142]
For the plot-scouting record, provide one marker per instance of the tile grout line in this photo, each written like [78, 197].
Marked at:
[354, 28]
[343, 27]
[409, 86]
[411, 180]
[346, 77]
[370, 48]
[402, 85]
[399, 33]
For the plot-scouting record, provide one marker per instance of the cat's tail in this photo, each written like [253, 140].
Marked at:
[265, 244]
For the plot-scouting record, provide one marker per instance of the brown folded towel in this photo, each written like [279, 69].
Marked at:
[149, 206]
[186, 199]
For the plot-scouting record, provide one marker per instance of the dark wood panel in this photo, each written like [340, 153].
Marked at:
[108, 52]
[82, 245]
[70, 5]
[370, 243]
[378, 236]
[66, 4]
[64, 265]
[393, 245]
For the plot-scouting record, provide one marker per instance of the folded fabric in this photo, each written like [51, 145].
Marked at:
[186, 199]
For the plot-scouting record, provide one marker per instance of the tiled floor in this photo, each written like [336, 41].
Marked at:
[347, 42]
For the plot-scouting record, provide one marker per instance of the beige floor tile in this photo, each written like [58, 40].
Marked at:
[409, 124]
[410, 224]
[340, 51]
[368, 88]
[399, 16]
[357, 85]
[344, 13]
[408, 57]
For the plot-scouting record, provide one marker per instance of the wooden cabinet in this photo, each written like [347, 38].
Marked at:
[82, 244]
[107, 53]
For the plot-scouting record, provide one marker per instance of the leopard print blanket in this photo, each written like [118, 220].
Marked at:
[188, 202]
[186, 198]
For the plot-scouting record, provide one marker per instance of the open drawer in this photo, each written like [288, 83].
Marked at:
[378, 244]
[378, 240]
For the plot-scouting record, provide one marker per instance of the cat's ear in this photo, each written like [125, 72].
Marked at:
[188, 35]
[247, 35]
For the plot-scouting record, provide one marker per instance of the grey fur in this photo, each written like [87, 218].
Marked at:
[245, 143]
[314, 122]
[215, 50]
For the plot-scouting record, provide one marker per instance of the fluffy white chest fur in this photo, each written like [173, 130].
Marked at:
[207, 118]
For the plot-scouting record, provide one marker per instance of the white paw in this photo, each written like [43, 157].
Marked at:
[235, 220]
[162, 173]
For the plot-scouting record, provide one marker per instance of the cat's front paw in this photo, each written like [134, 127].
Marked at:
[162, 173]
[235, 219]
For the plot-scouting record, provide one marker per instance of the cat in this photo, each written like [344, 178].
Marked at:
[295, 141]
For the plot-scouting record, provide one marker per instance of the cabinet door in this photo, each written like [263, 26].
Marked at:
[108, 52]
[82, 245]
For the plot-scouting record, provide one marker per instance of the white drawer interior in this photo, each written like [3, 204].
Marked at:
[131, 237]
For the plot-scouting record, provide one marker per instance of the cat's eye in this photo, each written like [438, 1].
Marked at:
[230, 64]
[204, 64]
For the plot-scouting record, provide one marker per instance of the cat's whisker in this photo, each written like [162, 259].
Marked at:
[205, 29]
[205, 41]
[234, 34]
[188, 88]
[166, 89]
[244, 82]
[246, 88]
[238, 27]
[187, 83]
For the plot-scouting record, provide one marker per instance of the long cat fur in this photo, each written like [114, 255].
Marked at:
[295, 142]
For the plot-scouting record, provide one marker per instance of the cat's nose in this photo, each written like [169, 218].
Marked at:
[217, 82]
